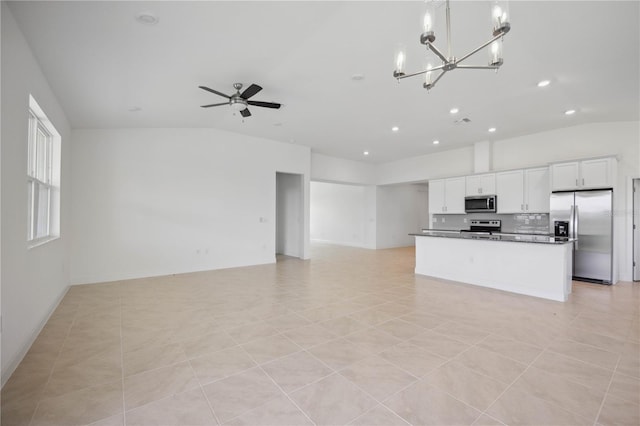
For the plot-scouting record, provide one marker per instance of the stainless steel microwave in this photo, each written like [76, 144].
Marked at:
[480, 204]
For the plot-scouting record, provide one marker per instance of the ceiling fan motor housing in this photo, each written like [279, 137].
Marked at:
[238, 103]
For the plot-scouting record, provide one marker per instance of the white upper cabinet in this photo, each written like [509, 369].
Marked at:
[586, 174]
[523, 191]
[484, 184]
[596, 173]
[446, 196]
[536, 190]
[455, 195]
[436, 196]
[565, 175]
[510, 191]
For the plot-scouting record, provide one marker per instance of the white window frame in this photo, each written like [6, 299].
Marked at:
[43, 178]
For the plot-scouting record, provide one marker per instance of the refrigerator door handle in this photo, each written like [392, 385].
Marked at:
[576, 226]
[571, 231]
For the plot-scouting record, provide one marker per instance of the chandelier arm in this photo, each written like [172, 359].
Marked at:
[439, 67]
[478, 67]
[438, 77]
[437, 52]
[480, 48]
[448, 12]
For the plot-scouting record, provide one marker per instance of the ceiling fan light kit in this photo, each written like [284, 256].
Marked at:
[240, 101]
[501, 26]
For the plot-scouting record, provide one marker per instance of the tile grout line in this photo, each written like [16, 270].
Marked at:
[522, 374]
[124, 403]
[606, 392]
[75, 316]
[275, 383]
[213, 412]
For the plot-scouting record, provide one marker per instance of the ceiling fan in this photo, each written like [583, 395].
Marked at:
[240, 101]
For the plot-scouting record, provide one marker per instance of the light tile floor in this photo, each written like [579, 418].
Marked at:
[350, 337]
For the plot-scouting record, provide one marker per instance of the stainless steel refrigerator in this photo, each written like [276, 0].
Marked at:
[590, 218]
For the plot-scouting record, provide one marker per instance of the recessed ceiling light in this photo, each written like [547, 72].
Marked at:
[366, 153]
[147, 18]
[277, 124]
[395, 128]
[357, 77]
[454, 110]
[544, 83]
[135, 109]
[570, 112]
[492, 129]
[436, 142]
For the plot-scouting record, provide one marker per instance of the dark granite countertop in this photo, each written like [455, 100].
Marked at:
[501, 236]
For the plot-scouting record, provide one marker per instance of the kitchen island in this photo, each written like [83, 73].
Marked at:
[535, 265]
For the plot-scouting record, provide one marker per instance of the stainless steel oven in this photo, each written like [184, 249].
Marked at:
[480, 204]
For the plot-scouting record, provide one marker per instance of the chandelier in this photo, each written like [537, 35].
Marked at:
[501, 26]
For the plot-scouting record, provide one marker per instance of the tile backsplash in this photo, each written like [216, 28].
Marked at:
[521, 223]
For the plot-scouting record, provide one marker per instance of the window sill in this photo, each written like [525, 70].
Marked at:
[41, 241]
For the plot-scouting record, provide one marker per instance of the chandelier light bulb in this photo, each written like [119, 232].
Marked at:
[428, 76]
[495, 53]
[500, 17]
[428, 23]
[401, 60]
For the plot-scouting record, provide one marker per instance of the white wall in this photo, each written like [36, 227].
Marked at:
[343, 214]
[289, 214]
[33, 281]
[151, 202]
[367, 216]
[331, 169]
[398, 215]
[454, 162]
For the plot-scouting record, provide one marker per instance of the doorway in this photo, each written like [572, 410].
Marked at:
[289, 214]
[636, 229]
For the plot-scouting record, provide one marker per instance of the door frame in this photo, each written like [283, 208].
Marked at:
[300, 181]
[635, 239]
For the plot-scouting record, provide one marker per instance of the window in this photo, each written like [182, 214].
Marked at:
[43, 177]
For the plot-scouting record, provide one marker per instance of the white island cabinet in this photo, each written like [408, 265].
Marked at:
[533, 268]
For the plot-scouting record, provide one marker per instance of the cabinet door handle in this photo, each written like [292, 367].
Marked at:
[576, 182]
[522, 207]
[582, 181]
[526, 206]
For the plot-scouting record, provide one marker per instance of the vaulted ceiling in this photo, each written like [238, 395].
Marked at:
[110, 71]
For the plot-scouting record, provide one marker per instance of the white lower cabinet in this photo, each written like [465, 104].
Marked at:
[523, 191]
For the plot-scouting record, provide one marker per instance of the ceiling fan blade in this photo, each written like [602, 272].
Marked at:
[250, 91]
[245, 112]
[212, 105]
[264, 104]
[214, 91]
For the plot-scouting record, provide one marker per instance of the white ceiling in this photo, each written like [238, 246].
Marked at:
[101, 63]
